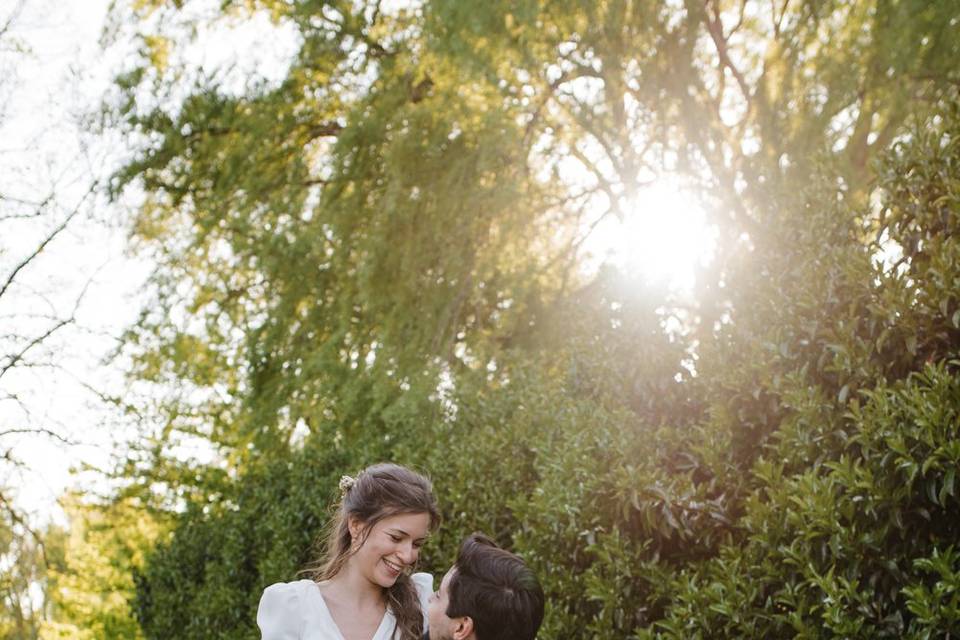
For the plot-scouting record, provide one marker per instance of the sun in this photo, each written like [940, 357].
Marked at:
[662, 235]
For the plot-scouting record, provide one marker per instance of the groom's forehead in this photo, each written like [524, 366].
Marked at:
[447, 577]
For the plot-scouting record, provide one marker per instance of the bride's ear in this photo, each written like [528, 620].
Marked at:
[463, 628]
[356, 529]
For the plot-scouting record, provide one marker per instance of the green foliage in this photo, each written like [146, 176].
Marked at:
[91, 586]
[24, 562]
[802, 483]
[379, 258]
[831, 550]
[205, 581]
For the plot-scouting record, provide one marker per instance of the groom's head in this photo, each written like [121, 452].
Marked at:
[489, 594]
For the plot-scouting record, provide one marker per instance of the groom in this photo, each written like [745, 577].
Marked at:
[489, 594]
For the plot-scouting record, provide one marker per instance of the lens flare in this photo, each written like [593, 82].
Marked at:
[662, 235]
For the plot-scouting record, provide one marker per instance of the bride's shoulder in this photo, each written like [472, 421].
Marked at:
[282, 605]
[282, 597]
[423, 582]
[290, 587]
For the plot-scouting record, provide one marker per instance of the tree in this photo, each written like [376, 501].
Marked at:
[348, 164]
[802, 481]
[25, 561]
[90, 586]
[379, 255]
[45, 200]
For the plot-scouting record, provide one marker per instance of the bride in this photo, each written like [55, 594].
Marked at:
[362, 589]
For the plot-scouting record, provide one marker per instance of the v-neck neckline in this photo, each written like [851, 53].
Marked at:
[387, 617]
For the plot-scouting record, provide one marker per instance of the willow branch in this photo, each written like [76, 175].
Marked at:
[715, 29]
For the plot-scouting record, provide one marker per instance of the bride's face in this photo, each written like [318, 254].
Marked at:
[391, 547]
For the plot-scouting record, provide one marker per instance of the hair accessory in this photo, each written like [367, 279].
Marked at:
[346, 483]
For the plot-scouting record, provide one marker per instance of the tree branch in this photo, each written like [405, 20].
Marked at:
[12, 17]
[580, 71]
[588, 127]
[17, 357]
[715, 28]
[53, 234]
[17, 517]
[38, 207]
[324, 130]
[778, 19]
[38, 431]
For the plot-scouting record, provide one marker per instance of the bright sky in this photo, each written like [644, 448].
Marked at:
[45, 92]
[58, 75]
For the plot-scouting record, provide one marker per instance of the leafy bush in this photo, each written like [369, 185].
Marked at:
[801, 483]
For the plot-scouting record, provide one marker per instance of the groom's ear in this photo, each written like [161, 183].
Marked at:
[463, 628]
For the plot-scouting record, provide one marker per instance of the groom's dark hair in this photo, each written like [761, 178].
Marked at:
[496, 590]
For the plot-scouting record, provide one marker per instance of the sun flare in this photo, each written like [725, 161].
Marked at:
[662, 236]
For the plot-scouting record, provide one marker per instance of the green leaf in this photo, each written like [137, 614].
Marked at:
[911, 343]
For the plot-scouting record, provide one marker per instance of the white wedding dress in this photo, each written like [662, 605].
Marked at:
[297, 611]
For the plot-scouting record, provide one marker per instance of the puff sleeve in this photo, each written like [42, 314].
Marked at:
[279, 614]
[424, 585]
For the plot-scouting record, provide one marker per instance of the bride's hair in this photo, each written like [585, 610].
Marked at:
[378, 492]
